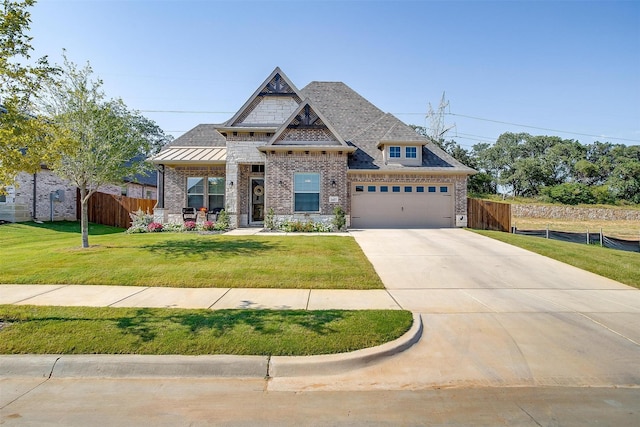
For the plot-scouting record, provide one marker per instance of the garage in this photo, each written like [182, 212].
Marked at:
[401, 205]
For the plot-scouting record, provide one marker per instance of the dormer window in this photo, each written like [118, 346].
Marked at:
[402, 153]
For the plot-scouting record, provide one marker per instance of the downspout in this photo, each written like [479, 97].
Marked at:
[35, 194]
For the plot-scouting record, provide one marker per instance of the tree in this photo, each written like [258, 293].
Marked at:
[25, 137]
[104, 136]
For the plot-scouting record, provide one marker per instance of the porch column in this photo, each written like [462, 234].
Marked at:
[159, 214]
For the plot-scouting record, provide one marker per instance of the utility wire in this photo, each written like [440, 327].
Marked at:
[449, 113]
[541, 128]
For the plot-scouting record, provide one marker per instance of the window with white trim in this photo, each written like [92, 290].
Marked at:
[394, 152]
[195, 192]
[215, 192]
[306, 189]
[410, 152]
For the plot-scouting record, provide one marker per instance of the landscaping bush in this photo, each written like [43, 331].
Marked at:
[208, 226]
[140, 221]
[223, 221]
[269, 220]
[155, 227]
[339, 220]
[190, 225]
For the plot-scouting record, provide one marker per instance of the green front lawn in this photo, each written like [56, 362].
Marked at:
[84, 330]
[617, 265]
[50, 253]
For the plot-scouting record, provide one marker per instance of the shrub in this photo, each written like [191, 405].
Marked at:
[304, 227]
[190, 225]
[155, 227]
[140, 220]
[339, 220]
[173, 226]
[208, 226]
[269, 220]
[223, 221]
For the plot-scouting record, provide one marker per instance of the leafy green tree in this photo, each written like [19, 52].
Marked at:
[25, 136]
[106, 138]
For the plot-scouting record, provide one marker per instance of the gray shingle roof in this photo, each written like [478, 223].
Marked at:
[201, 135]
[360, 124]
[364, 126]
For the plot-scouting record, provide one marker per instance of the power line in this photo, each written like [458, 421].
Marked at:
[541, 128]
[186, 112]
[424, 114]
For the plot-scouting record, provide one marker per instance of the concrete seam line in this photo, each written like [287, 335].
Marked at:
[53, 367]
[128, 296]
[41, 293]
[216, 301]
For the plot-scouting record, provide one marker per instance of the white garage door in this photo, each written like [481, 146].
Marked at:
[402, 205]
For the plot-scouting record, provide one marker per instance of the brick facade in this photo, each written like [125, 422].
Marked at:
[19, 202]
[280, 169]
[175, 184]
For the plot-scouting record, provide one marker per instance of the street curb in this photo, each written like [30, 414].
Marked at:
[131, 366]
[295, 366]
[172, 366]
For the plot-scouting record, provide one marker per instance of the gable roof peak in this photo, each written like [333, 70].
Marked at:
[276, 84]
[306, 116]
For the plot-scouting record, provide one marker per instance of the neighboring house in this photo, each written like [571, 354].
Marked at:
[304, 152]
[44, 196]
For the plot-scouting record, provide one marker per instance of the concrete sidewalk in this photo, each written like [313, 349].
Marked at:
[140, 366]
[211, 298]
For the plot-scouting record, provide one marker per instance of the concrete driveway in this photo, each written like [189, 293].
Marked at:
[495, 315]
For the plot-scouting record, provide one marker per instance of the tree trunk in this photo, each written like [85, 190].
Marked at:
[84, 216]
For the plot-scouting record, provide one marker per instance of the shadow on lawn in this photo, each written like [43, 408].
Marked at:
[203, 248]
[145, 323]
[74, 227]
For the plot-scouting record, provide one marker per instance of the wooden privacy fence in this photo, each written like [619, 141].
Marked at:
[109, 209]
[486, 215]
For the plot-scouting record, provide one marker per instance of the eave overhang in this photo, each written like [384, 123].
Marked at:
[302, 148]
[412, 170]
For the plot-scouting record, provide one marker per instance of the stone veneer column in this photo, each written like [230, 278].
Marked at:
[231, 193]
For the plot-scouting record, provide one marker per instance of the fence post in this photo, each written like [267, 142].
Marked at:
[547, 231]
[588, 236]
[601, 242]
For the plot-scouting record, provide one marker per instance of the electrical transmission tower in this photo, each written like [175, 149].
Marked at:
[437, 128]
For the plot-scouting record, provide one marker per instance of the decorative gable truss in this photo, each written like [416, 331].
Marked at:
[270, 105]
[307, 128]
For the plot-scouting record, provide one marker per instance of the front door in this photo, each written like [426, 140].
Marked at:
[256, 205]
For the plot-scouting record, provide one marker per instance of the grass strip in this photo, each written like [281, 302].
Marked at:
[89, 330]
[50, 253]
[614, 264]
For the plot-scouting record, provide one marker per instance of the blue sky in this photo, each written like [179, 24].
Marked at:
[570, 66]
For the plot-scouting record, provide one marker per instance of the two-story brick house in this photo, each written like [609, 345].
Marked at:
[304, 152]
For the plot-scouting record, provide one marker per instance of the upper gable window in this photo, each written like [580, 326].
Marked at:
[411, 152]
[394, 152]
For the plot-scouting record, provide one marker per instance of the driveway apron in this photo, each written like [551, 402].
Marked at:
[495, 315]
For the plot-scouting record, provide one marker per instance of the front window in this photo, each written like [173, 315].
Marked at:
[307, 192]
[216, 192]
[3, 198]
[394, 152]
[410, 152]
[195, 192]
